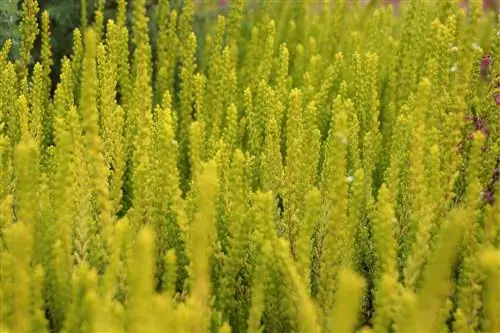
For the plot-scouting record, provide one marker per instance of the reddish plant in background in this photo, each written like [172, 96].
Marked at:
[479, 125]
[489, 193]
[485, 65]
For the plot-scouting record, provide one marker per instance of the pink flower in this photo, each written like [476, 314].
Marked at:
[486, 61]
[223, 3]
[485, 64]
[489, 196]
[496, 96]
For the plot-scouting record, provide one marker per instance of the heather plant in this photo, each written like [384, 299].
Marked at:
[293, 167]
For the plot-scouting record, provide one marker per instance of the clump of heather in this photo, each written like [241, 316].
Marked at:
[294, 167]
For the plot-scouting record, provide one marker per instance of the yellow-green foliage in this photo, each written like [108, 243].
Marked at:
[299, 166]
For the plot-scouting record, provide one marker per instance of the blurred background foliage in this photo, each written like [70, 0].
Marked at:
[9, 18]
[65, 16]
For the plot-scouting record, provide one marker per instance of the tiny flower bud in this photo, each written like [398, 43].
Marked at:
[342, 138]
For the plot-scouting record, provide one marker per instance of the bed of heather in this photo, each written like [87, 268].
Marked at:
[288, 167]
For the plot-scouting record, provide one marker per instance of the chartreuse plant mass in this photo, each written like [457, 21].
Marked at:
[298, 167]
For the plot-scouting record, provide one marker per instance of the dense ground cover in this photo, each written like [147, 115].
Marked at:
[287, 169]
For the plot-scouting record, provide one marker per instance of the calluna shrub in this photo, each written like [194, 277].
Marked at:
[328, 167]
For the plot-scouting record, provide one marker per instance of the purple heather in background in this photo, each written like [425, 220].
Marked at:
[485, 64]
[487, 4]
